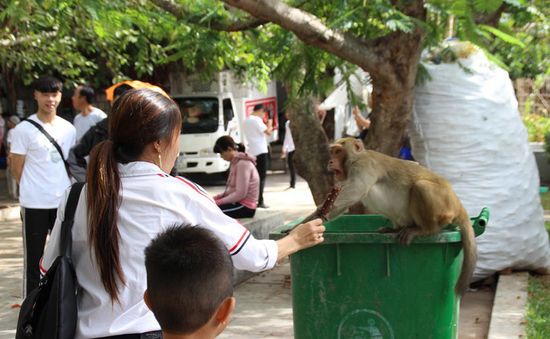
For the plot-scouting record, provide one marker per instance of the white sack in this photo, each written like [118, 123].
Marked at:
[467, 128]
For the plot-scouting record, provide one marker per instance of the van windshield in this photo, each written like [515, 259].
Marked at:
[199, 115]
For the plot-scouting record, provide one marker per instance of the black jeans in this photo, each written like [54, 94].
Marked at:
[237, 211]
[261, 166]
[36, 225]
[291, 169]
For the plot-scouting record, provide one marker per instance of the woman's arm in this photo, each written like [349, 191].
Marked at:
[247, 252]
[304, 236]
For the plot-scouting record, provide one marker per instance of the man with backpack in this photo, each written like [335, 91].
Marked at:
[39, 148]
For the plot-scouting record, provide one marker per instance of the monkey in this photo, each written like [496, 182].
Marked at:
[418, 201]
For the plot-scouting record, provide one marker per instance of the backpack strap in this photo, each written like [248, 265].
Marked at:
[54, 143]
[66, 243]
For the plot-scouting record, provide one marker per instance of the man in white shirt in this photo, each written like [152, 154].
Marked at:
[255, 132]
[82, 98]
[288, 153]
[39, 168]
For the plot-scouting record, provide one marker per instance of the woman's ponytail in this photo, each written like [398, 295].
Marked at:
[103, 200]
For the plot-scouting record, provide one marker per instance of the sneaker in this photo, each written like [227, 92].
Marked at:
[262, 205]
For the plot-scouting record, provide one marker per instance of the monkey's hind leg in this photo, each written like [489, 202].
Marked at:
[406, 234]
[429, 209]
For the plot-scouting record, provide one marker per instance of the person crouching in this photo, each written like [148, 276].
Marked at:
[239, 199]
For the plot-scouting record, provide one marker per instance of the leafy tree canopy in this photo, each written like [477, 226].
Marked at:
[102, 41]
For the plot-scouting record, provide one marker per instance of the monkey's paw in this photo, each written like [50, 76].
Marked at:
[386, 229]
[406, 236]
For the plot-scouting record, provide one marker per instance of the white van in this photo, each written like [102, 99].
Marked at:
[211, 109]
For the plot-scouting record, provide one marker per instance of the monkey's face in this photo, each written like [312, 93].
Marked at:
[336, 164]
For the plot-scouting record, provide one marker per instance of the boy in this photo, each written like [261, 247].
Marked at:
[38, 166]
[189, 283]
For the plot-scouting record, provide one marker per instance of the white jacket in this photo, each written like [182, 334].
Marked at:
[151, 202]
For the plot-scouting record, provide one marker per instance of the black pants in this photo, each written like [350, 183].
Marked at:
[261, 166]
[36, 225]
[291, 169]
[237, 211]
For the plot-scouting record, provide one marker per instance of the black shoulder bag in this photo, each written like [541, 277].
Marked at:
[52, 140]
[50, 310]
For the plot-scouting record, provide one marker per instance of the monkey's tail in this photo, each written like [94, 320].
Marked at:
[470, 252]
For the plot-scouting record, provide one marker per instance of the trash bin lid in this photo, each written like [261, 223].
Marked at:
[365, 229]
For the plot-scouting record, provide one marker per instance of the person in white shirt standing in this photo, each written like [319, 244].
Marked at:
[288, 153]
[82, 98]
[129, 199]
[255, 132]
[39, 168]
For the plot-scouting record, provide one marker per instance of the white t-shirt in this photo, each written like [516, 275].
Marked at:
[44, 178]
[151, 201]
[83, 123]
[253, 129]
[288, 143]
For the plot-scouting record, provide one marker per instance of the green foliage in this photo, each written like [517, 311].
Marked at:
[486, 6]
[106, 41]
[79, 40]
[538, 311]
[537, 126]
[527, 22]
[505, 37]
[547, 148]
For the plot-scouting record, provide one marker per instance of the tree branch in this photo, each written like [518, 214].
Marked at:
[181, 12]
[492, 19]
[311, 30]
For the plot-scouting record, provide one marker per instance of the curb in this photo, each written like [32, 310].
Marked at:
[508, 317]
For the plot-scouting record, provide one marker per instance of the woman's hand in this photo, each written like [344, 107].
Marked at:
[303, 236]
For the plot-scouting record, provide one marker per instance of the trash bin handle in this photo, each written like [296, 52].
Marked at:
[480, 222]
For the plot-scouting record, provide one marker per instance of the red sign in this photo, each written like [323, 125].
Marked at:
[269, 104]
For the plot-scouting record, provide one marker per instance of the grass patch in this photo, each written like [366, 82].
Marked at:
[545, 200]
[538, 311]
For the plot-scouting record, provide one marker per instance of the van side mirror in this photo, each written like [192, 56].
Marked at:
[227, 116]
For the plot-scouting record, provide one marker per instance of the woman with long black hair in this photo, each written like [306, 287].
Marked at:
[129, 198]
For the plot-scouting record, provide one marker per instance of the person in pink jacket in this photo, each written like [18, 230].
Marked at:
[239, 200]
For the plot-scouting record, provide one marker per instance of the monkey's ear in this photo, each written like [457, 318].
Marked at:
[358, 146]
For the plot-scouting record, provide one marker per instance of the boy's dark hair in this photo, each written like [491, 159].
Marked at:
[87, 92]
[258, 107]
[189, 274]
[226, 142]
[47, 84]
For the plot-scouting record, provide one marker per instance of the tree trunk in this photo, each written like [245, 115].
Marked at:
[11, 90]
[391, 60]
[311, 157]
[393, 101]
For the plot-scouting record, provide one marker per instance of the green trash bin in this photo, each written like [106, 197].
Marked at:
[361, 284]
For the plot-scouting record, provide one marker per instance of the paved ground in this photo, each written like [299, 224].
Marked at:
[263, 302]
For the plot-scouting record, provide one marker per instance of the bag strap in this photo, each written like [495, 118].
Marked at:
[52, 140]
[66, 243]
